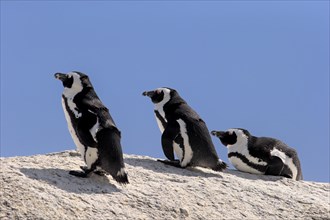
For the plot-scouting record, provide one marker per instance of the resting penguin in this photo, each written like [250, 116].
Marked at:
[183, 132]
[260, 155]
[92, 128]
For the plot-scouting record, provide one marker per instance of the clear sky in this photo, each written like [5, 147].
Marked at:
[263, 66]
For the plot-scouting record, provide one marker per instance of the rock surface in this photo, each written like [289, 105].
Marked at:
[39, 187]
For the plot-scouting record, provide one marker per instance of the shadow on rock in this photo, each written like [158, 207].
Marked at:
[254, 176]
[61, 179]
[159, 167]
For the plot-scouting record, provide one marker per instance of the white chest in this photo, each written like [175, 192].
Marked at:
[240, 165]
[160, 124]
[69, 95]
[80, 147]
[161, 111]
[159, 107]
[241, 148]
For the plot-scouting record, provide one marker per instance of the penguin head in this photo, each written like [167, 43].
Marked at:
[74, 80]
[232, 136]
[160, 95]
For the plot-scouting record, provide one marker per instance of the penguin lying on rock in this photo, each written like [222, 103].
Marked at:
[92, 128]
[183, 132]
[260, 155]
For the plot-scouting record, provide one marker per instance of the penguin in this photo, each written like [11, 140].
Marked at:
[184, 133]
[92, 128]
[260, 155]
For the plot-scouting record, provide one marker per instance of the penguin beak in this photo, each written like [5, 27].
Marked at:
[218, 134]
[148, 93]
[60, 76]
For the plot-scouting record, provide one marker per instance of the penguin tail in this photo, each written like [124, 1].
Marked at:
[118, 173]
[121, 176]
[220, 166]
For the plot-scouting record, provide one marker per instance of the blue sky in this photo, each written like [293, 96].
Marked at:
[263, 66]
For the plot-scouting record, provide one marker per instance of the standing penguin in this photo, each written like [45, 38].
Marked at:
[260, 155]
[92, 128]
[183, 132]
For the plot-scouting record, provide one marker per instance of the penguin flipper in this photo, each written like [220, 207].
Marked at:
[275, 166]
[174, 163]
[286, 172]
[171, 131]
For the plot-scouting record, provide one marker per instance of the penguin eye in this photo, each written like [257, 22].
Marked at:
[158, 92]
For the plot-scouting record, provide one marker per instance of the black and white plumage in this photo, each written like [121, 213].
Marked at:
[260, 155]
[92, 128]
[184, 133]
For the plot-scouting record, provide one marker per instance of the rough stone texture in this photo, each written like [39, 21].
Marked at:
[39, 187]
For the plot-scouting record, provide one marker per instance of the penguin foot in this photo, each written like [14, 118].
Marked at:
[122, 179]
[220, 166]
[84, 168]
[79, 173]
[174, 163]
[287, 176]
[98, 172]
